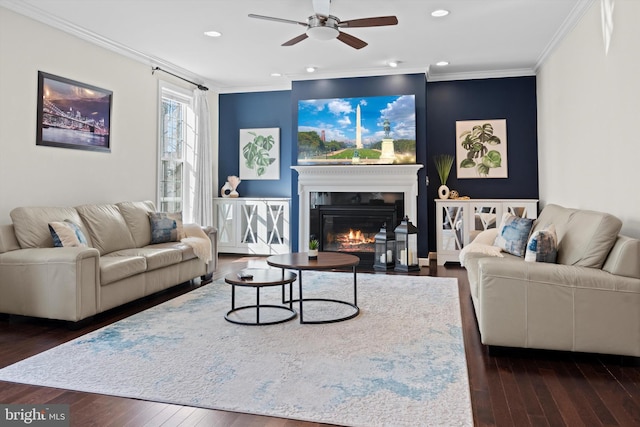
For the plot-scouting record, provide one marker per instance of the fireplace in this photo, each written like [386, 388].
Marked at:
[352, 228]
[334, 179]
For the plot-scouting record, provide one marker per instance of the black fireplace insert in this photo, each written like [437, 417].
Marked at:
[352, 228]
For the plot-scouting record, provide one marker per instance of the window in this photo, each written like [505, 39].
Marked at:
[175, 149]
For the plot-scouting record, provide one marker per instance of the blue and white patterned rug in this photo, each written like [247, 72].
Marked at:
[401, 362]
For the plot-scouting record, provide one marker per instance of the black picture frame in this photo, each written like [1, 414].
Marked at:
[72, 114]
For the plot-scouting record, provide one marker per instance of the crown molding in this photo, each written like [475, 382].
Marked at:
[474, 75]
[572, 20]
[39, 15]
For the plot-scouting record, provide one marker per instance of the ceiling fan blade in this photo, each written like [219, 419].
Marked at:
[378, 21]
[295, 40]
[321, 7]
[270, 18]
[352, 41]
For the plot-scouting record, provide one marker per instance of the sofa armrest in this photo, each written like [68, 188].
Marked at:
[212, 233]
[54, 283]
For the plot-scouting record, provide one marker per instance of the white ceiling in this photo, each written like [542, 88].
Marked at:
[480, 38]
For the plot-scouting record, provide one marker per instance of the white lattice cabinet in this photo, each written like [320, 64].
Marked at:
[458, 222]
[257, 226]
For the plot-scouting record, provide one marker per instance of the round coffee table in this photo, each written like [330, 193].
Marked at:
[325, 261]
[261, 278]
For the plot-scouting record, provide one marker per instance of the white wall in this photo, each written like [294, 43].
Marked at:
[588, 110]
[33, 175]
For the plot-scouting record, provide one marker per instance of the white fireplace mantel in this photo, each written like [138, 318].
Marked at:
[355, 178]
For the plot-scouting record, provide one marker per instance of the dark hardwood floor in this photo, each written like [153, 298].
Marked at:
[510, 388]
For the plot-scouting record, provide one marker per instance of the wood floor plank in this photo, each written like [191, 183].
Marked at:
[525, 387]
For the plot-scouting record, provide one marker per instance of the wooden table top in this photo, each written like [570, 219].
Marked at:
[261, 277]
[325, 260]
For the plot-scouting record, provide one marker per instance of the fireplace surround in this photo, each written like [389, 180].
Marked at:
[354, 178]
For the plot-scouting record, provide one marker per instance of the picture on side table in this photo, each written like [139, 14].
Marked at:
[481, 148]
[72, 114]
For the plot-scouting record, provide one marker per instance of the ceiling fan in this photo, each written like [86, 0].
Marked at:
[323, 26]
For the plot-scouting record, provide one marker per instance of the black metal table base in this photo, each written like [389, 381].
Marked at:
[257, 308]
[338, 319]
[302, 300]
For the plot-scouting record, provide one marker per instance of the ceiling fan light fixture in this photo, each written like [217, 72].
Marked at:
[323, 33]
[439, 13]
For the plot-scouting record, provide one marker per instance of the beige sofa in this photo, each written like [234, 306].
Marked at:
[588, 301]
[119, 264]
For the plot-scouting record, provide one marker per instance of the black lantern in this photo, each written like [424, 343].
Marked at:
[385, 248]
[406, 246]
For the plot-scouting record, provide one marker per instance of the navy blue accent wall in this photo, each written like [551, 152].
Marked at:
[513, 99]
[407, 84]
[438, 106]
[254, 110]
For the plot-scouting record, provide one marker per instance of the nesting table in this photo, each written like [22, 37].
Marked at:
[261, 278]
[325, 261]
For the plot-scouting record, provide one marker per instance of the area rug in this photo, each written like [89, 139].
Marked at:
[400, 362]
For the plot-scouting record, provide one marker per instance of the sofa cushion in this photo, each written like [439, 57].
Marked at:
[136, 215]
[165, 227]
[186, 250]
[542, 246]
[31, 224]
[513, 234]
[107, 227]
[114, 268]
[584, 237]
[155, 257]
[66, 234]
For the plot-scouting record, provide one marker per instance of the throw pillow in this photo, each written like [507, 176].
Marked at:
[165, 227]
[513, 234]
[66, 234]
[542, 246]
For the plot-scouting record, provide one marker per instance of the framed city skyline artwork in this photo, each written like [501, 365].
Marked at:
[72, 114]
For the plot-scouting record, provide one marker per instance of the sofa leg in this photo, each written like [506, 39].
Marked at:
[206, 279]
[496, 351]
[75, 326]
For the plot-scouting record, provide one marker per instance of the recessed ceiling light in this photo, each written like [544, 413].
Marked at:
[212, 33]
[393, 64]
[442, 63]
[276, 74]
[311, 69]
[439, 13]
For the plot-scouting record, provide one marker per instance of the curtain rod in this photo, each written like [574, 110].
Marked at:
[201, 87]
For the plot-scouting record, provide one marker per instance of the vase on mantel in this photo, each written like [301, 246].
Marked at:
[443, 192]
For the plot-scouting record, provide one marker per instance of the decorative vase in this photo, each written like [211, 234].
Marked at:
[226, 190]
[313, 254]
[443, 192]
